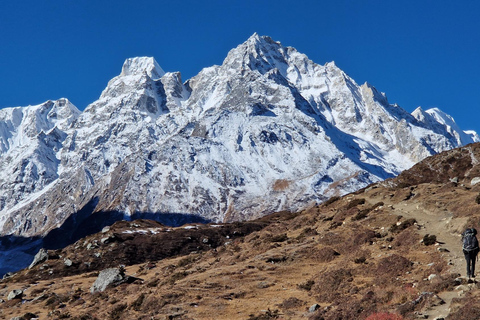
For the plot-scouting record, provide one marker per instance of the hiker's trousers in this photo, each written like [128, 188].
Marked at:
[470, 257]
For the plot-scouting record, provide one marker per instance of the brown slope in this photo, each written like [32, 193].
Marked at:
[354, 256]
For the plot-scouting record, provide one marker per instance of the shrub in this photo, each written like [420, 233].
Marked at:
[364, 213]
[360, 260]
[291, 303]
[384, 316]
[406, 239]
[364, 236]
[331, 200]
[467, 309]
[307, 232]
[177, 276]
[186, 261]
[29, 315]
[378, 204]
[325, 254]
[361, 214]
[338, 283]
[392, 266]
[477, 199]
[85, 316]
[306, 285]
[428, 240]
[355, 202]
[138, 302]
[403, 225]
[440, 283]
[269, 314]
[279, 238]
[153, 283]
[117, 312]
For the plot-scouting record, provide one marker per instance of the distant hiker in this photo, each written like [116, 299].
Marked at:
[470, 249]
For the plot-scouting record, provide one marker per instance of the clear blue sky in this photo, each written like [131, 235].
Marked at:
[420, 53]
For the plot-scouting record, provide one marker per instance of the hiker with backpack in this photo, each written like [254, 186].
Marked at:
[470, 250]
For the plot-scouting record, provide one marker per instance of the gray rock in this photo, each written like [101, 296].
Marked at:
[108, 277]
[314, 308]
[41, 297]
[40, 257]
[15, 294]
[475, 181]
[67, 262]
[462, 289]
[105, 240]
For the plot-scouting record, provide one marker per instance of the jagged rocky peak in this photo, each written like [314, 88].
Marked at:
[372, 93]
[422, 115]
[140, 65]
[438, 121]
[63, 113]
[22, 122]
[259, 53]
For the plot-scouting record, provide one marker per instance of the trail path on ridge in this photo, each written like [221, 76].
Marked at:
[438, 222]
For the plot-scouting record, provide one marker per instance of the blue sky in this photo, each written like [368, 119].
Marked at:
[420, 53]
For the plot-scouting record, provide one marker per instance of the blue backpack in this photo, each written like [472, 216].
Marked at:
[470, 241]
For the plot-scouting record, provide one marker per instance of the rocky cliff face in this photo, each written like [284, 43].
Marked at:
[268, 130]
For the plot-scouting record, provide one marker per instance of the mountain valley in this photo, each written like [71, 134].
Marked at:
[391, 250]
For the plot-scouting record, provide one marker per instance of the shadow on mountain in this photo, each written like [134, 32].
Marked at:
[17, 252]
[86, 222]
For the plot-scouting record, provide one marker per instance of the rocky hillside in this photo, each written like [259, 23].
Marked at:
[389, 251]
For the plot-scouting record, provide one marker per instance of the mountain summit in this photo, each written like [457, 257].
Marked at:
[139, 65]
[267, 130]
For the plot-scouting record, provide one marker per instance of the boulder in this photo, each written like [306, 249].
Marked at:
[15, 294]
[67, 262]
[108, 277]
[314, 308]
[40, 257]
[431, 277]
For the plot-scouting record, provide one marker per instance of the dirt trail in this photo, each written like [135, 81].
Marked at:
[448, 232]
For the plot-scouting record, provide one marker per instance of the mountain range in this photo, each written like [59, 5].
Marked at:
[266, 131]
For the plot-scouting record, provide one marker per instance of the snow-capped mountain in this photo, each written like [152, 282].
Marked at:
[267, 130]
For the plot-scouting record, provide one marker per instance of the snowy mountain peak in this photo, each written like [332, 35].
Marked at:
[254, 38]
[266, 131]
[140, 65]
[259, 53]
[440, 122]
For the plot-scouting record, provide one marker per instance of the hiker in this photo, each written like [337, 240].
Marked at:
[470, 249]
